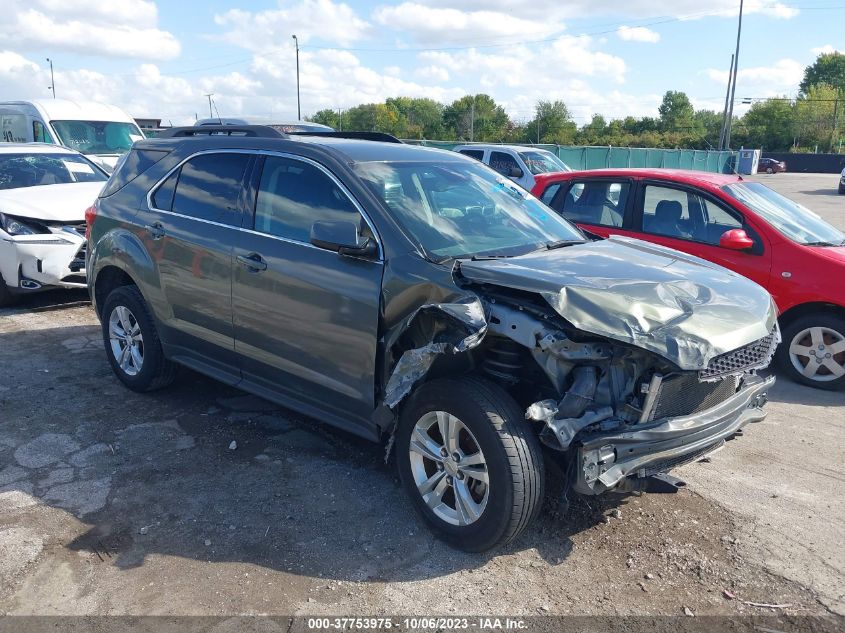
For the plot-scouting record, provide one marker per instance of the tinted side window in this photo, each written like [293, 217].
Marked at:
[163, 196]
[292, 195]
[477, 154]
[601, 202]
[129, 167]
[209, 187]
[549, 193]
[503, 163]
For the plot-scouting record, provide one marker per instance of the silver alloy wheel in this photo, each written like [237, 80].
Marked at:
[127, 343]
[449, 468]
[818, 353]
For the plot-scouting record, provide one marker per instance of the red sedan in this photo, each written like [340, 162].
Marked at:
[742, 225]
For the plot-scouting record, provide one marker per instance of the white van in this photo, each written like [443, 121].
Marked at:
[102, 132]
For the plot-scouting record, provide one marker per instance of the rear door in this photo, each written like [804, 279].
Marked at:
[691, 220]
[306, 318]
[195, 215]
[600, 205]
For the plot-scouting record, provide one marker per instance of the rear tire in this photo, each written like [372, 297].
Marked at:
[769, 170]
[813, 351]
[132, 343]
[492, 442]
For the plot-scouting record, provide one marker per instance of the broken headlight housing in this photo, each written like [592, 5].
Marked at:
[16, 226]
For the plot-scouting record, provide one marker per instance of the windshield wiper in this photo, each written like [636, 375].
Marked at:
[478, 258]
[550, 246]
[823, 244]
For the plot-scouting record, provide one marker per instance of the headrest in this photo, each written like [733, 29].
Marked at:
[668, 211]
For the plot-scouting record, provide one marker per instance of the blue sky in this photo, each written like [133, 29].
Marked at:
[159, 59]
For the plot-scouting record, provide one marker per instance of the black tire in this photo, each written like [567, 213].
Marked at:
[514, 460]
[784, 358]
[769, 170]
[841, 190]
[155, 370]
[7, 298]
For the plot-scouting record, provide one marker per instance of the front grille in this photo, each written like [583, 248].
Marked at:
[757, 355]
[685, 394]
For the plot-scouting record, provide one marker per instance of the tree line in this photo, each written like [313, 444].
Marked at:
[812, 121]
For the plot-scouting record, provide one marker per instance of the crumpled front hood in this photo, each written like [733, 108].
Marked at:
[51, 203]
[675, 305]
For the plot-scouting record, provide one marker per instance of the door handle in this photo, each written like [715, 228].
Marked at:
[253, 262]
[155, 230]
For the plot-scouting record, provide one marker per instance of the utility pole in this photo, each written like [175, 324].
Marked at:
[727, 99]
[210, 113]
[52, 79]
[733, 87]
[472, 120]
[298, 108]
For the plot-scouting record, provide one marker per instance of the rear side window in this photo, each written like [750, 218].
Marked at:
[600, 202]
[163, 196]
[209, 187]
[129, 167]
[477, 154]
[549, 193]
[293, 195]
[503, 163]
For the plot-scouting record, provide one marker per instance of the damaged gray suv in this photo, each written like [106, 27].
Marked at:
[416, 297]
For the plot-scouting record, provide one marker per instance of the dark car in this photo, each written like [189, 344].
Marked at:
[770, 166]
[417, 297]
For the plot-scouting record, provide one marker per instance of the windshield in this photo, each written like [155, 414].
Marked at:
[455, 209]
[540, 161]
[97, 137]
[31, 170]
[791, 219]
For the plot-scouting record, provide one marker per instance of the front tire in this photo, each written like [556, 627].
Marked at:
[132, 343]
[769, 170]
[470, 462]
[6, 297]
[813, 351]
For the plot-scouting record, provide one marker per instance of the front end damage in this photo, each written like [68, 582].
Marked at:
[649, 379]
[54, 258]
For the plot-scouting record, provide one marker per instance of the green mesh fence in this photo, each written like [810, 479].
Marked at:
[585, 157]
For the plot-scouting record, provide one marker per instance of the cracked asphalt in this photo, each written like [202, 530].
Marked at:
[113, 503]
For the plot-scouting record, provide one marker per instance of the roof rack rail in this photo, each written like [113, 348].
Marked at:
[257, 131]
[382, 137]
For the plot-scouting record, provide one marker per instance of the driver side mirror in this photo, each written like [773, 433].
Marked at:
[736, 240]
[515, 172]
[343, 238]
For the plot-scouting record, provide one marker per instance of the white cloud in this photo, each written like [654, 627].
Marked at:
[308, 20]
[432, 72]
[437, 25]
[827, 49]
[686, 9]
[637, 34]
[121, 28]
[521, 66]
[785, 74]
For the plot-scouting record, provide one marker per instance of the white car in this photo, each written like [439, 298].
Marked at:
[520, 163]
[44, 192]
[842, 182]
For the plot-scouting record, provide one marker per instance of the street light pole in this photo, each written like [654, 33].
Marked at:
[298, 108]
[52, 79]
[733, 87]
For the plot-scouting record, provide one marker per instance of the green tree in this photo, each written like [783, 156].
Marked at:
[422, 118]
[552, 123]
[829, 68]
[477, 117]
[676, 112]
[814, 121]
[326, 117]
[769, 124]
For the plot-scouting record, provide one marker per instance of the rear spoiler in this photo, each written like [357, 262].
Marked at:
[255, 131]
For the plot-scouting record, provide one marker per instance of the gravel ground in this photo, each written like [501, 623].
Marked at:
[118, 503]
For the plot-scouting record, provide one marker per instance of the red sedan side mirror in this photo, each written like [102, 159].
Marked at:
[736, 240]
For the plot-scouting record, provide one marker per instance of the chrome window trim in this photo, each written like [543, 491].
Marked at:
[264, 152]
